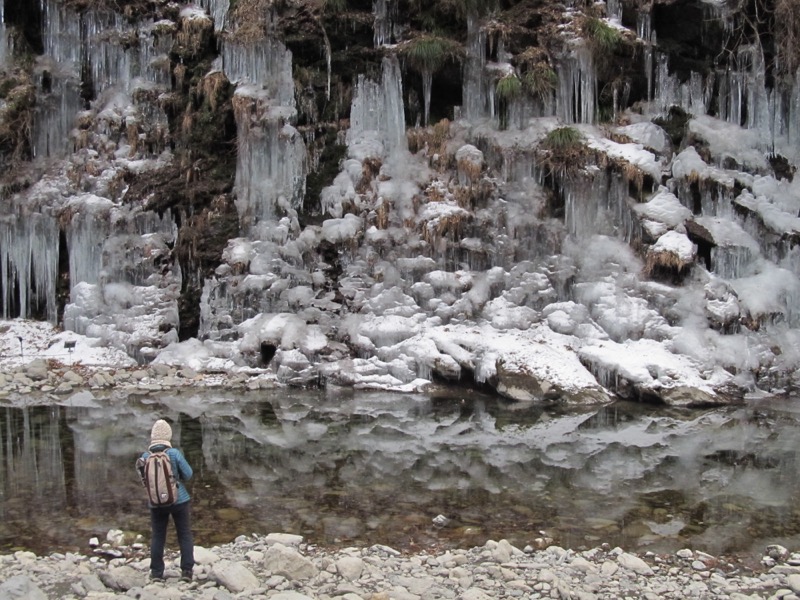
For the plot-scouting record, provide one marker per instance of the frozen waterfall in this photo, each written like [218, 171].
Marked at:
[377, 113]
[28, 264]
[5, 49]
[271, 158]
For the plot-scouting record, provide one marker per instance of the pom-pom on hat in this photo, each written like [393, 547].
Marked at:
[161, 434]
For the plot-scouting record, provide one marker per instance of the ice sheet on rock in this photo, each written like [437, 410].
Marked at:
[676, 244]
[772, 215]
[388, 330]
[647, 134]
[634, 154]
[772, 293]
[618, 312]
[338, 231]
[139, 319]
[729, 141]
[537, 351]
[283, 330]
[391, 300]
[649, 364]
[571, 318]
[503, 315]
[664, 207]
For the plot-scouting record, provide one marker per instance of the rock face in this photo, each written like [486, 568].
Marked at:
[385, 194]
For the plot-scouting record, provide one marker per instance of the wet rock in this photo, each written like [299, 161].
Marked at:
[350, 567]
[37, 369]
[122, 578]
[204, 556]
[634, 563]
[234, 576]
[281, 560]
[20, 587]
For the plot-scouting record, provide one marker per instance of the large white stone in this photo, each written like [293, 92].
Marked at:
[634, 563]
[234, 576]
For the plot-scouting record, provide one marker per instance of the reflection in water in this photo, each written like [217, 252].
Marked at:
[363, 468]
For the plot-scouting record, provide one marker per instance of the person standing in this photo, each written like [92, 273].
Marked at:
[180, 510]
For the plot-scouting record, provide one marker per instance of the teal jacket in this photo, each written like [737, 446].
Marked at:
[180, 468]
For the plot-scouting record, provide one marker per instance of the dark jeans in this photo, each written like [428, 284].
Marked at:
[159, 519]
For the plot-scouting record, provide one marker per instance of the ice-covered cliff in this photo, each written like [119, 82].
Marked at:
[602, 205]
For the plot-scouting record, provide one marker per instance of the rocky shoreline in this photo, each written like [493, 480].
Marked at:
[49, 379]
[284, 567]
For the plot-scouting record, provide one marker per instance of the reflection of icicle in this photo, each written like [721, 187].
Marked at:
[577, 88]
[28, 265]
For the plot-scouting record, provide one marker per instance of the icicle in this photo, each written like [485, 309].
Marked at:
[111, 64]
[576, 99]
[154, 48]
[393, 105]
[5, 47]
[28, 264]
[265, 63]
[62, 36]
[793, 118]
[385, 14]
[58, 81]
[731, 262]
[54, 115]
[377, 110]
[614, 10]
[648, 36]
[666, 92]
[427, 84]
[89, 228]
[218, 9]
[271, 161]
[596, 204]
[475, 81]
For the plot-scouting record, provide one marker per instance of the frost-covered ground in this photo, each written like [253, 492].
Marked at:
[23, 341]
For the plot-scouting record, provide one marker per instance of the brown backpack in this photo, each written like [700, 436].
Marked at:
[158, 479]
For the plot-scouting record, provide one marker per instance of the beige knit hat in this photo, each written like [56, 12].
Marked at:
[161, 434]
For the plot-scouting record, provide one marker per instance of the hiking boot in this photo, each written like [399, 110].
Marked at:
[156, 576]
[186, 575]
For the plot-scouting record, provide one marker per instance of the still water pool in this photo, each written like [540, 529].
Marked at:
[357, 468]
